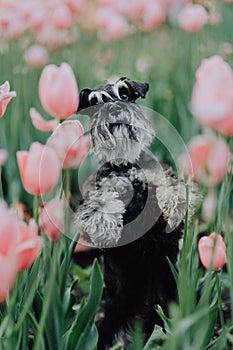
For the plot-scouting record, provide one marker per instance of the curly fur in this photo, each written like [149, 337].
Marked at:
[123, 134]
[101, 218]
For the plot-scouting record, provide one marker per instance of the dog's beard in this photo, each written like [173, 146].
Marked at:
[120, 131]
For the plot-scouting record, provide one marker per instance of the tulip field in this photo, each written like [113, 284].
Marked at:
[50, 297]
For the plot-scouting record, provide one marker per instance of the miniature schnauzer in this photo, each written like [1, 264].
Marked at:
[133, 209]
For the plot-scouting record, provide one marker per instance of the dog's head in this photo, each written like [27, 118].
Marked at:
[119, 128]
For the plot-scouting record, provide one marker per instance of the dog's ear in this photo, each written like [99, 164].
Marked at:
[83, 99]
[137, 88]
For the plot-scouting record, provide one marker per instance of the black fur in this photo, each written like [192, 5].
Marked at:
[137, 275]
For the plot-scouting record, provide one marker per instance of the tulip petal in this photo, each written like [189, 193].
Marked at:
[40, 123]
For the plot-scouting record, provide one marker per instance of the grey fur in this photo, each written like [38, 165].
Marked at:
[100, 218]
[171, 194]
[131, 134]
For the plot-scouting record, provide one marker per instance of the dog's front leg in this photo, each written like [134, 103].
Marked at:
[100, 218]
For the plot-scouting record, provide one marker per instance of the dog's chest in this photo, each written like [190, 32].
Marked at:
[130, 183]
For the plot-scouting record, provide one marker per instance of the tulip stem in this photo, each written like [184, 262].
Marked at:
[49, 290]
[66, 188]
[36, 208]
[66, 182]
[219, 299]
[1, 188]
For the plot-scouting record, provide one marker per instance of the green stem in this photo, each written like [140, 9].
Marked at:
[36, 208]
[66, 188]
[66, 182]
[48, 295]
[219, 300]
[1, 189]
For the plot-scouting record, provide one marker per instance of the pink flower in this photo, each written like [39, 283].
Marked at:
[36, 56]
[208, 161]
[212, 99]
[8, 256]
[209, 205]
[136, 9]
[81, 247]
[192, 17]
[51, 219]
[3, 156]
[15, 29]
[29, 245]
[5, 97]
[58, 91]
[212, 250]
[76, 6]
[40, 123]
[112, 25]
[39, 168]
[154, 15]
[69, 143]
[20, 245]
[61, 17]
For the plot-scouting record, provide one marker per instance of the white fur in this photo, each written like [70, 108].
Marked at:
[100, 218]
[171, 196]
[117, 86]
[99, 96]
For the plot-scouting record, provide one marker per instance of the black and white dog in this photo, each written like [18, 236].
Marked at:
[133, 210]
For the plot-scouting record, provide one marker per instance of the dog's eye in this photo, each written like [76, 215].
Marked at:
[93, 101]
[104, 98]
[123, 93]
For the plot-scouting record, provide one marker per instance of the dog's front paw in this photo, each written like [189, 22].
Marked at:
[100, 218]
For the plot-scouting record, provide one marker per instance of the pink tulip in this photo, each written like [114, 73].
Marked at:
[208, 159]
[39, 168]
[154, 15]
[69, 143]
[209, 205]
[29, 245]
[8, 272]
[8, 229]
[5, 97]
[51, 219]
[212, 99]
[3, 156]
[212, 250]
[112, 25]
[61, 17]
[136, 9]
[76, 6]
[192, 17]
[8, 255]
[15, 29]
[40, 123]
[81, 247]
[36, 19]
[36, 56]
[58, 91]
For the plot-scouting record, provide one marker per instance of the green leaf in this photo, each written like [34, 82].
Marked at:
[137, 337]
[117, 346]
[157, 338]
[85, 318]
[88, 339]
[173, 269]
[166, 320]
